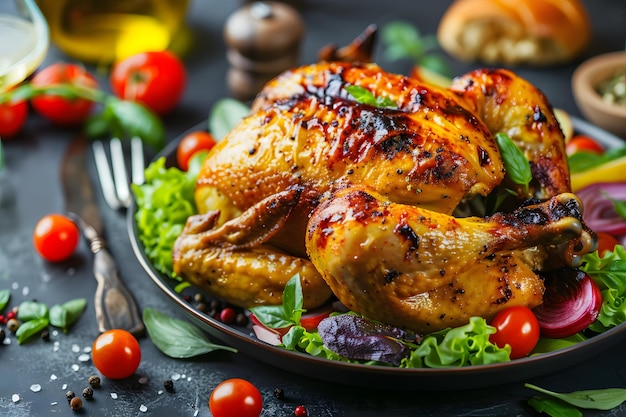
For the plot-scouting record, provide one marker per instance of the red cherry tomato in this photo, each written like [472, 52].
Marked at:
[55, 237]
[190, 144]
[518, 327]
[13, 116]
[116, 354]
[59, 110]
[311, 319]
[580, 143]
[606, 242]
[155, 79]
[235, 398]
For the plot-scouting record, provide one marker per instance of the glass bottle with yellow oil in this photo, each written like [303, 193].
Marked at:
[103, 31]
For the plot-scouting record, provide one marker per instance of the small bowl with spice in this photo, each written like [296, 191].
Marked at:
[599, 86]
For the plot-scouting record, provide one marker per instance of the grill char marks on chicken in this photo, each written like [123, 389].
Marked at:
[417, 161]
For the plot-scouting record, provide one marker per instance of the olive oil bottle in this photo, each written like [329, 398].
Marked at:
[102, 31]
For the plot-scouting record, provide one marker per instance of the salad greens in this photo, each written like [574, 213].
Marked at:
[460, 346]
[609, 272]
[164, 202]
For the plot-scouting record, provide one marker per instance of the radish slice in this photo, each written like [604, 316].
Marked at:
[267, 335]
[571, 302]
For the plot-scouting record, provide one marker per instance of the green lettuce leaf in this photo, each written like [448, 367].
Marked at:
[164, 202]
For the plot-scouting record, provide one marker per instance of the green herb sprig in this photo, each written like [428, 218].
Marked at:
[598, 399]
[403, 40]
[36, 316]
[286, 314]
[177, 338]
[364, 96]
[119, 118]
[515, 163]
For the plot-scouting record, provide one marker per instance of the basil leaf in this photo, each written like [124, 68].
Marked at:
[177, 338]
[554, 407]
[64, 315]
[5, 296]
[600, 399]
[125, 119]
[293, 299]
[515, 163]
[28, 329]
[287, 314]
[224, 116]
[31, 310]
[364, 96]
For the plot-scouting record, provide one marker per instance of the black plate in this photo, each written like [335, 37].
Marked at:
[381, 377]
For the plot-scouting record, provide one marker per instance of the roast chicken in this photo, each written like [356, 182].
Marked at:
[385, 201]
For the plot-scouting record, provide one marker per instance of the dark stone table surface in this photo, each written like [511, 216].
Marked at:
[32, 166]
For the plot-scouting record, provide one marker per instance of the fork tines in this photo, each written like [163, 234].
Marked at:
[113, 177]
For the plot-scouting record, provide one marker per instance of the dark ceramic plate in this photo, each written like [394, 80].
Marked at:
[382, 377]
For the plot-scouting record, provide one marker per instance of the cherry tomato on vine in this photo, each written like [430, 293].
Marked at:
[606, 242]
[12, 118]
[59, 110]
[116, 354]
[580, 143]
[55, 237]
[190, 144]
[235, 398]
[155, 79]
[518, 327]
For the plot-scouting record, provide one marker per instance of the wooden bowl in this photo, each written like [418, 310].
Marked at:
[585, 80]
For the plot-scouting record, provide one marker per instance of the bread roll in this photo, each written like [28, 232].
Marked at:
[534, 32]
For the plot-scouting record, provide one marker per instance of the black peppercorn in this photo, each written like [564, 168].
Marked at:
[168, 384]
[45, 335]
[241, 319]
[94, 381]
[69, 395]
[2, 335]
[88, 393]
[279, 393]
[76, 403]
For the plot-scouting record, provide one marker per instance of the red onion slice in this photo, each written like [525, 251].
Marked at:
[571, 303]
[599, 210]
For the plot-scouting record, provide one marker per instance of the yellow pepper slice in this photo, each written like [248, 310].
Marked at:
[612, 171]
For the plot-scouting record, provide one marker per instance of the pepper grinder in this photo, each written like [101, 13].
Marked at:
[263, 39]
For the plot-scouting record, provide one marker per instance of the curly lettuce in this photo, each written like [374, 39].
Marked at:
[609, 272]
[164, 202]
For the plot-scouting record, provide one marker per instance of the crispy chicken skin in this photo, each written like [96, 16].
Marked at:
[276, 195]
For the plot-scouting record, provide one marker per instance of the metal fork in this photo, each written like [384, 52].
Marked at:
[113, 177]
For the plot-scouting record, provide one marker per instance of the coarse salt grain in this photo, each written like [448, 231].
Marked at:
[53, 403]
[175, 377]
[75, 367]
[25, 291]
[53, 377]
[15, 398]
[143, 380]
[35, 388]
[143, 408]
[64, 386]
[75, 348]
[84, 357]
[114, 395]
